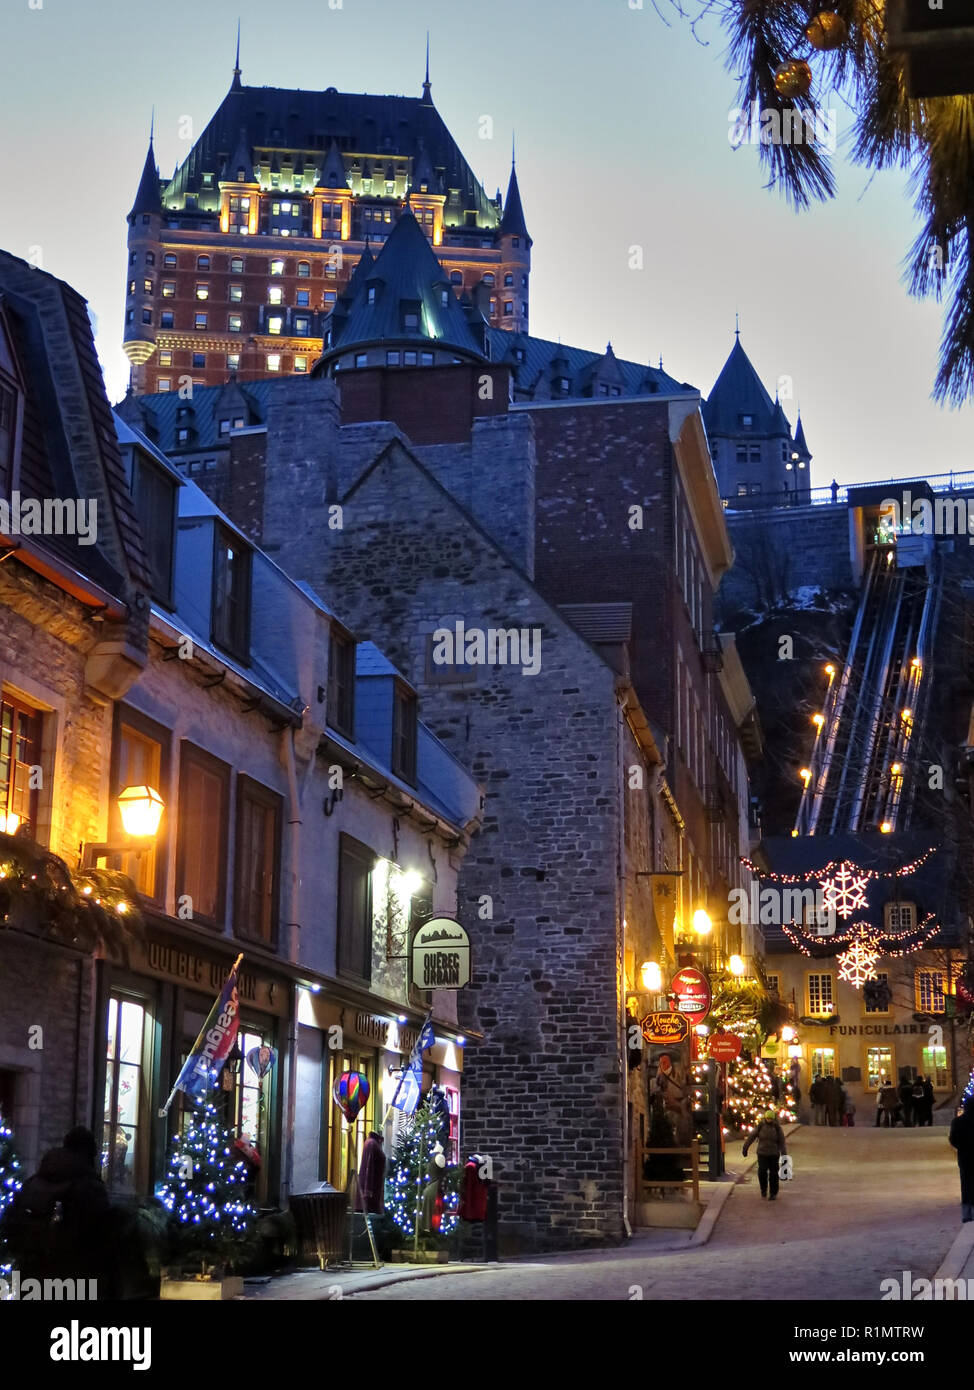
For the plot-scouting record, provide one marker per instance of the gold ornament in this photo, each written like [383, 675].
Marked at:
[793, 78]
[826, 31]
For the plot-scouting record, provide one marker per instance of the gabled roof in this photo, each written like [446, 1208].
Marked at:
[405, 276]
[241, 162]
[513, 223]
[535, 362]
[148, 198]
[739, 391]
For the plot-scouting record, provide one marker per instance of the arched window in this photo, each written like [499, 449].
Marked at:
[304, 270]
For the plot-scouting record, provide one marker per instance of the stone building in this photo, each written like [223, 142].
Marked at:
[238, 260]
[309, 817]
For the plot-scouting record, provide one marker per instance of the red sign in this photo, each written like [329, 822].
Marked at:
[692, 990]
[725, 1047]
[665, 1028]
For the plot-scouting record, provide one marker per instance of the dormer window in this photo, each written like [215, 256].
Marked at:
[154, 496]
[231, 594]
[372, 294]
[404, 734]
[747, 421]
[8, 435]
[341, 682]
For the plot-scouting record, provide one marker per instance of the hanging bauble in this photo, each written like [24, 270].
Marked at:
[793, 78]
[350, 1093]
[826, 30]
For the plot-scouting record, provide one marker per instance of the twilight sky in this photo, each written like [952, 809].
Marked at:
[622, 136]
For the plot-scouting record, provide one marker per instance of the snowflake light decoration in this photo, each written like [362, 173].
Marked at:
[857, 964]
[845, 891]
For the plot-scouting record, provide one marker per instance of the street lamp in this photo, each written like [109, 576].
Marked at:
[652, 977]
[787, 1033]
[701, 922]
[736, 965]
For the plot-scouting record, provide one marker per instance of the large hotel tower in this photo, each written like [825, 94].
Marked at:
[236, 262]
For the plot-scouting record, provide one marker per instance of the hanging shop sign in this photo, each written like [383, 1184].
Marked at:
[665, 1028]
[441, 955]
[725, 1047]
[692, 990]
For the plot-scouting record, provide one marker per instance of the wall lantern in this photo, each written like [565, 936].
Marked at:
[141, 811]
[787, 1033]
[736, 965]
[701, 922]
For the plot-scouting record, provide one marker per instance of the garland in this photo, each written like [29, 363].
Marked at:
[829, 869]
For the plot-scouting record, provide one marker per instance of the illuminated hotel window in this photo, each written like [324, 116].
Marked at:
[274, 362]
[277, 267]
[236, 294]
[304, 270]
[200, 321]
[165, 357]
[234, 323]
[202, 262]
[275, 295]
[275, 324]
[302, 327]
[233, 361]
[146, 286]
[236, 265]
[164, 384]
[168, 289]
[169, 260]
[202, 291]
[131, 287]
[300, 364]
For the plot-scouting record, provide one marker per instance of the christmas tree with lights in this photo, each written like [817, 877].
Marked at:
[750, 1094]
[417, 1156]
[205, 1192]
[10, 1182]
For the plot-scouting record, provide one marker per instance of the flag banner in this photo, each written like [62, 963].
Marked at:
[214, 1044]
[664, 907]
[406, 1098]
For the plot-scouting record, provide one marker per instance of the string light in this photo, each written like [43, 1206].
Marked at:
[828, 869]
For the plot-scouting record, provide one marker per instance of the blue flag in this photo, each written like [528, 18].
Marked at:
[406, 1098]
[214, 1044]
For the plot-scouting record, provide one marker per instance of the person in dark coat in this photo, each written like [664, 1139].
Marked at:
[60, 1225]
[928, 1100]
[816, 1094]
[962, 1138]
[833, 1099]
[371, 1176]
[906, 1103]
[770, 1138]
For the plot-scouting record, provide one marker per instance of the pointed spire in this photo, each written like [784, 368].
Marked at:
[513, 223]
[737, 327]
[427, 98]
[332, 173]
[148, 199]
[235, 84]
[801, 446]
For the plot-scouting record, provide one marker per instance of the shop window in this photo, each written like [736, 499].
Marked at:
[201, 839]
[250, 1119]
[355, 909]
[125, 1133]
[935, 1066]
[334, 1167]
[930, 987]
[231, 594]
[823, 1061]
[453, 1105]
[20, 766]
[141, 759]
[879, 1067]
[258, 861]
[404, 734]
[820, 995]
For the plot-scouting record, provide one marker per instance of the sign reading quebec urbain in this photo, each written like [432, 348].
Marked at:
[441, 955]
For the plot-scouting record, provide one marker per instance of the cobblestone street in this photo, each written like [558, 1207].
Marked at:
[865, 1204]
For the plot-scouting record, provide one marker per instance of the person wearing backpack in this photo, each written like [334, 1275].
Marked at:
[770, 1139]
[59, 1226]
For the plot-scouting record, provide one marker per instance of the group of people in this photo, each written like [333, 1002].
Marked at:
[909, 1104]
[831, 1102]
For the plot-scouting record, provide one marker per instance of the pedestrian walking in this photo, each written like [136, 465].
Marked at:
[816, 1095]
[60, 1225]
[962, 1138]
[848, 1109]
[889, 1105]
[906, 1102]
[926, 1112]
[770, 1138]
[833, 1100]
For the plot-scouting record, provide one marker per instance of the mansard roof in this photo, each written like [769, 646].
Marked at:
[737, 392]
[537, 363]
[284, 121]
